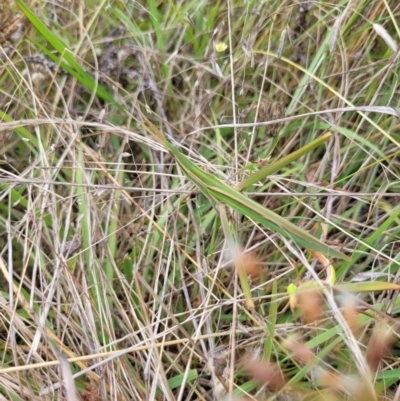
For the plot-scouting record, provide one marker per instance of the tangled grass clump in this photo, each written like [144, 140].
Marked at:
[199, 200]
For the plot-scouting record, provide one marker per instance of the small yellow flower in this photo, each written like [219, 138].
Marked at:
[220, 47]
[291, 290]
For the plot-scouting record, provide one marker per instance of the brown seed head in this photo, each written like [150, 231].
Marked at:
[310, 302]
[264, 373]
[300, 351]
[379, 345]
[251, 264]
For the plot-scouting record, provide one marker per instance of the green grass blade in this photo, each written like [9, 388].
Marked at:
[155, 18]
[23, 133]
[275, 222]
[368, 286]
[273, 167]
[80, 74]
[177, 381]
[218, 190]
[271, 322]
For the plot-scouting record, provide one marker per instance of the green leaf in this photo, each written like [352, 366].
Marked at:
[177, 381]
[75, 69]
[278, 164]
[368, 286]
[23, 133]
[218, 191]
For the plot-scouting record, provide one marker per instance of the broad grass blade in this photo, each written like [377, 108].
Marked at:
[275, 166]
[75, 69]
[219, 191]
[368, 286]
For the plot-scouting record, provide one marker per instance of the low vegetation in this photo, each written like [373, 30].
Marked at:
[199, 200]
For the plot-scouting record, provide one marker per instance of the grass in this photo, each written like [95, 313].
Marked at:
[179, 181]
